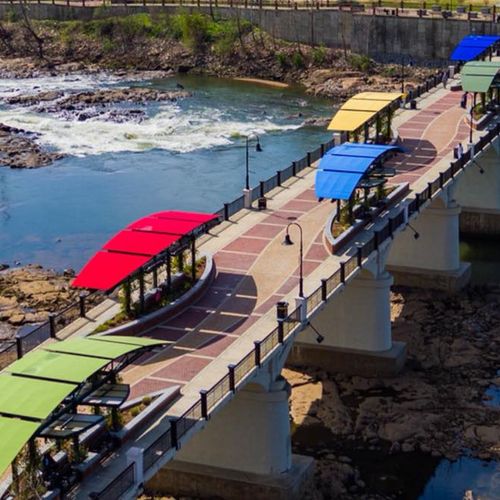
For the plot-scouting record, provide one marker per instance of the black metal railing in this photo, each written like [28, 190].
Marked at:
[385, 8]
[120, 485]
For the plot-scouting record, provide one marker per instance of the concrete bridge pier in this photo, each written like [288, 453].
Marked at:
[356, 327]
[478, 192]
[243, 452]
[430, 257]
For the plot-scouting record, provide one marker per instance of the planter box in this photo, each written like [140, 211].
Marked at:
[485, 10]
[335, 245]
[139, 325]
[461, 9]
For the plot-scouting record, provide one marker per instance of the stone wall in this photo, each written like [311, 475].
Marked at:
[382, 37]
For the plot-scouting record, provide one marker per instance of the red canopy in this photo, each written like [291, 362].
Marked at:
[134, 246]
[138, 242]
[165, 226]
[106, 269]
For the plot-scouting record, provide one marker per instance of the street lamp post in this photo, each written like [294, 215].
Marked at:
[288, 241]
[258, 148]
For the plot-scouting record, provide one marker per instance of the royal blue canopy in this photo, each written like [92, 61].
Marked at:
[473, 46]
[341, 169]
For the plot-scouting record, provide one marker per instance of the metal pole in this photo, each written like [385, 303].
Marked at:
[247, 177]
[301, 281]
[169, 272]
[193, 260]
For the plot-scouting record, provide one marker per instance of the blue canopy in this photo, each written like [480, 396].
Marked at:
[473, 46]
[341, 169]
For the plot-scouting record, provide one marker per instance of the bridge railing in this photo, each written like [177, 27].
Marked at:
[120, 485]
[385, 8]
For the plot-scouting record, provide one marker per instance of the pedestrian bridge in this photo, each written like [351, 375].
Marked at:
[229, 426]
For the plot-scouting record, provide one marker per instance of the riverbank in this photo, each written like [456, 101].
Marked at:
[191, 43]
[29, 293]
[369, 435]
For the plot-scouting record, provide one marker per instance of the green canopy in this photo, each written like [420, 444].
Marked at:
[123, 339]
[57, 366]
[479, 76]
[32, 398]
[93, 348]
[35, 385]
[14, 434]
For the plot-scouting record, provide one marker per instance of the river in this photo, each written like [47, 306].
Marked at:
[188, 155]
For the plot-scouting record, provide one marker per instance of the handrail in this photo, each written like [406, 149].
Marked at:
[379, 8]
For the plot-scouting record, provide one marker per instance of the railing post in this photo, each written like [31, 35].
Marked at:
[281, 331]
[441, 180]
[19, 347]
[204, 404]
[359, 256]
[324, 290]
[322, 150]
[52, 325]
[81, 302]
[342, 272]
[308, 159]
[174, 441]
[417, 197]
[232, 380]
[257, 352]
[261, 189]
[226, 211]
[429, 192]
[294, 168]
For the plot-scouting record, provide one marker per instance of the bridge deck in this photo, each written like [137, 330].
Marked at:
[254, 269]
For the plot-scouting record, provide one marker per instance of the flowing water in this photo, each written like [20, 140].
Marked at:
[187, 155]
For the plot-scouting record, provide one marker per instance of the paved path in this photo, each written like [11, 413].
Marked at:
[254, 269]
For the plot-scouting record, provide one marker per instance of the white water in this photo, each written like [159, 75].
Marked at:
[14, 87]
[173, 127]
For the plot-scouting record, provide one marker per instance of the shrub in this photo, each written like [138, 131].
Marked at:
[194, 29]
[297, 60]
[282, 59]
[319, 55]
[360, 62]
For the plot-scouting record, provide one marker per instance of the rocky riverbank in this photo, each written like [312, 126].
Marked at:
[98, 104]
[19, 149]
[190, 43]
[28, 294]
[434, 408]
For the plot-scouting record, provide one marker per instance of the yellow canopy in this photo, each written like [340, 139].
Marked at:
[361, 108]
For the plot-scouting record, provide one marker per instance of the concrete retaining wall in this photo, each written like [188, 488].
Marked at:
[382, 37]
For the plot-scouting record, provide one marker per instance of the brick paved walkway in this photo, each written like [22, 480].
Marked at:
[254, 270]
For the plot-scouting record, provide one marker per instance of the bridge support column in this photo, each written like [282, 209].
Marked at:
[479, 194]
[243, 452]
[433, 259]
[356, 327]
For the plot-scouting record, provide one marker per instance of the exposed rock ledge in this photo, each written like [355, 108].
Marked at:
[18, 149]
[28, 294]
